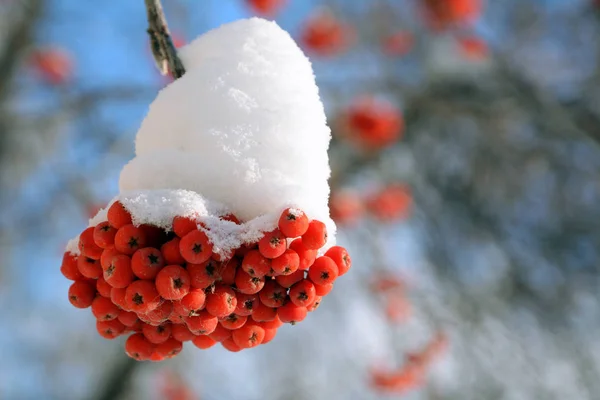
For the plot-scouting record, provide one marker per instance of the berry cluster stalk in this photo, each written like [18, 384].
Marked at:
[163, 49]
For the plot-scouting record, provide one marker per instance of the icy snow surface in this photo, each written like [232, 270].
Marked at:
[243, 131]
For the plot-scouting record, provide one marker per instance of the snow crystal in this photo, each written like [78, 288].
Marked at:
[243, 131]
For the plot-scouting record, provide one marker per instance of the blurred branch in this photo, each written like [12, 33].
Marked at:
[118, 381]
[163, 50]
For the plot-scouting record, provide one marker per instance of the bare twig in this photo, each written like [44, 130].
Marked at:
[163, 49]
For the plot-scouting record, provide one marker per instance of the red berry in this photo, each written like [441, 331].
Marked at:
[117, 296]
[204, 274]
[119, 273]
[245, 303]
[127, 318]
[233, 321]
[220, 333]
[315, 304]
[202, 324]
[288, 280]
[103, 288]
[118, 216]
[159, 315]
[170, 252]
[130, 238]
[182, 333]
[81, 294]
[275, 323]
[315, 236]
[138, 347]
[107, 256]
[287, 263]
[230, 345]
[269, 335]
[229, 271]
[255, 264]
[142, 297]
[173, 282]
[341, 258]
[293, 223]
[323, 290]
[303, 293]
[291, 313]
[157, 334]
[203, 342]
[323, 271]
[89, 267]
[69, 267]
[110, 329]
[248, 336]
[169, 348]
[273, 244]
[104, 309]
[193, 301]
[307, 256]
[273, 295]
[263, 313]
[221, 302]
[184, 225]
[146, 262]
[87, 245]
[104, 235]
[195, 247]
[248, 284]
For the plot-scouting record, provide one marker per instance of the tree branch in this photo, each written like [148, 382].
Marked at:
[163, 49]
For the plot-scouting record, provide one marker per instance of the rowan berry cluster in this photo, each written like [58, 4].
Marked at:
[166, 288]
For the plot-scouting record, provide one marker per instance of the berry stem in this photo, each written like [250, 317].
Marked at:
[163, 49]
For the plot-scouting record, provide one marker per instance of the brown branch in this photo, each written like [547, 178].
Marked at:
[163, 49]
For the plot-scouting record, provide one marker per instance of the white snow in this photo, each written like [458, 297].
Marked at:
[244, 130]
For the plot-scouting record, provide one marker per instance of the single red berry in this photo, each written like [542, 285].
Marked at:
[293, 223]
[288, 280]
[130, 238]
[255, 264]
[204, 274]
[118, 216]
[107, 256]
[128, 318]
[103, 288]
[170, 252]
[245, 303]
[88, 267]
[228, 271]
[275, 323]
[291, 313]
[221, 302]
[117, 296]
[273, 295]
[233, 321]
[142, 297]
[307, 256]
[220, 333]
[184, 225]
[247, 283]
[104, 309]
[159, 315]
[110, 329]
[138, 347]
[173, 282]
[182, 333]
[202, 324]
[263, 313]
[104, 235]
[119, 273]
[69, 267]
[192, 302]
[195, 247]
[315, 236]
[273, 244]
[323, 271]
[248, 336]
[287, 263]
[203, 342]
[157, 334]
[341, 258]
[269, 335]
[81, 294]
[169, 348]
[303, 293]
[230, 345]
[323, 290]
[315, 304]
[87, 246]
[146, 262]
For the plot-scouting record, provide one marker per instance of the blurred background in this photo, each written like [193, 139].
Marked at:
[465, 183]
